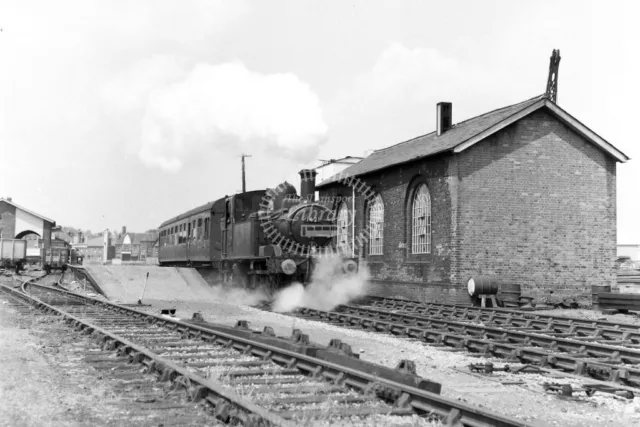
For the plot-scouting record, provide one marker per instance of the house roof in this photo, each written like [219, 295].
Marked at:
[137, 238]
[95, 241]
[62, 236]
[27, 210]
[464, 135]
[91, 243]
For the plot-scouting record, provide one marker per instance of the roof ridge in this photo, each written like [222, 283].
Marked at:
[464, 121]
[11, 202]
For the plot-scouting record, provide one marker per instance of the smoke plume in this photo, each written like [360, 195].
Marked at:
[329, 288]
[230, 108]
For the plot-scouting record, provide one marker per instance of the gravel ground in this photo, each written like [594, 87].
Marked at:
[33, 390]
[526, 401]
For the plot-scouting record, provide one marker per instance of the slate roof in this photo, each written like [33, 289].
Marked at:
[28, 211]
[95, 241]
[137, 238]
[462, 135]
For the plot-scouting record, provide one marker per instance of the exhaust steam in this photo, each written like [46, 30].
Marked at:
[329, 287]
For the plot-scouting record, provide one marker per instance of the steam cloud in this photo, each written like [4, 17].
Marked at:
[329, 288]
[228, 107]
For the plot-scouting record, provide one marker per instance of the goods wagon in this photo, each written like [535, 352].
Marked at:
[13, 253]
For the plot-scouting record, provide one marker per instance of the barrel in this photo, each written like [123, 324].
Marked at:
[595, 290]
[482, 285]
[510, 295]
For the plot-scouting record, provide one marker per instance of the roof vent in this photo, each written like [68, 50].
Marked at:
[9, 199]
[443, 117]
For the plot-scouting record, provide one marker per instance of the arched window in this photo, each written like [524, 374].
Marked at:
[376, 226]
[343, 244]
[421, 221]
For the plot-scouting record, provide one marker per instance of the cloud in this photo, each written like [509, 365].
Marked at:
[227, 107]
[407, 74]
[395, 99]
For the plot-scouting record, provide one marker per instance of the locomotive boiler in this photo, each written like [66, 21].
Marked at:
[265, 238]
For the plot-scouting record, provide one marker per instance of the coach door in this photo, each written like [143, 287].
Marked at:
[226, 224]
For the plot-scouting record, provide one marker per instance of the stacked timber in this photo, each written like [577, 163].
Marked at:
[629, 281]
[623, 302]
[595, 292]
[510, 294]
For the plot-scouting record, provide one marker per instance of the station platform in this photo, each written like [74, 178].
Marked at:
[124, 283]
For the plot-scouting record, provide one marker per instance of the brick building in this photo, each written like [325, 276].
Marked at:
[17, 222]
[525, 193]
[136, 246]
[92, 249]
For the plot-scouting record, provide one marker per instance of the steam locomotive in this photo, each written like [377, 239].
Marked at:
[265, 238]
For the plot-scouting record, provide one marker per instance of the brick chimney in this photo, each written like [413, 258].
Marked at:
[124, 230]
[443, 117]
[9, 199]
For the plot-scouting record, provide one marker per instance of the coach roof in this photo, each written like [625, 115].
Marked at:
[200, 209]
[467, 133]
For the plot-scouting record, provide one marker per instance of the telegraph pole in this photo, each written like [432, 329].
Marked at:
[244, 184]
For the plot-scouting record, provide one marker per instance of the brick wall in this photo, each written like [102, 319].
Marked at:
[46, 234]
[7, 220]
[397, 272]
[537, 206]
[534, 204]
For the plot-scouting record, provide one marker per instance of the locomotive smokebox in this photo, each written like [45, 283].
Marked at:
[308, 184]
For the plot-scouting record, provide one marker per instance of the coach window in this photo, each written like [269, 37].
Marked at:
[376, 226]
[342, 223]
[421, 221]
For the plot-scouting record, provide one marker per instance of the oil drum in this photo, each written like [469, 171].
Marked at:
[482, 285]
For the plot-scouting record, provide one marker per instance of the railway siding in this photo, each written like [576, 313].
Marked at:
[602, 364]
[146, 336]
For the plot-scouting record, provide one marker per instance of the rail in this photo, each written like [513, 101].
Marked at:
[404, 397]
[603, 364]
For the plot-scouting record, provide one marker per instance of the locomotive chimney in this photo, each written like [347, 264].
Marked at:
[308, 184]
[443, 117]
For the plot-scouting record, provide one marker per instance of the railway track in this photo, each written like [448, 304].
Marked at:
[609, 368]
[239, 376]
[625, 332]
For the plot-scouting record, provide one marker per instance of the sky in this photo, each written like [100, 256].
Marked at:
[127, 113]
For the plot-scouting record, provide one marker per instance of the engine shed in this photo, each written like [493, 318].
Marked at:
[17, 222]
[524, 193]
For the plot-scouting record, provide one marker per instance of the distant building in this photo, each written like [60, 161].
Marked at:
[17, 222]
[329, 168]
[136, 246]
[92, 249]
[61, 235]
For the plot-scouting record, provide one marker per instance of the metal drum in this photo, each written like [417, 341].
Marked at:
[595, 290]
[482, 285]
[510, 294]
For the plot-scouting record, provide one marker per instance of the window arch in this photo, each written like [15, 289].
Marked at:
[342, 243]
[376, 226]
[421, 221]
